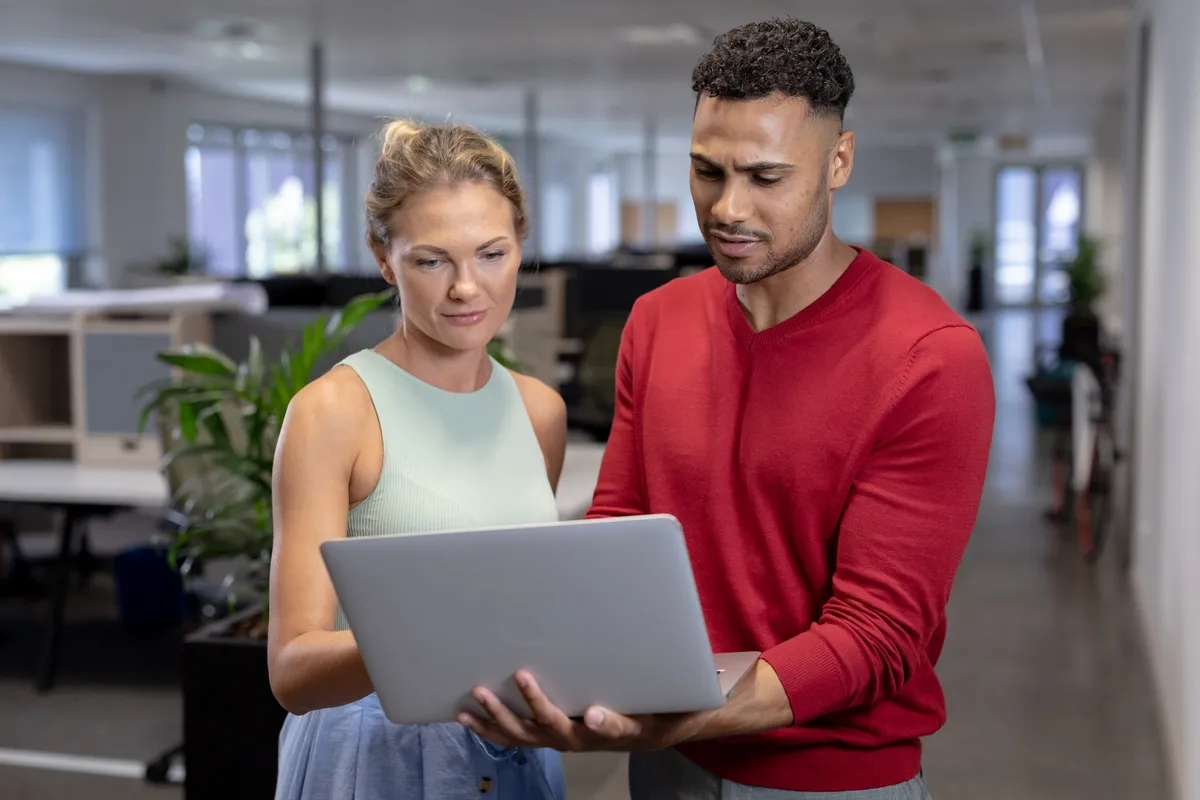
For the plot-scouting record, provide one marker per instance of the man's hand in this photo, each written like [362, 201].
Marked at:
[758, 703]
[601, 729]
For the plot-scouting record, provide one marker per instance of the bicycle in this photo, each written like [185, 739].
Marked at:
[1076, 400]
[1095, 455]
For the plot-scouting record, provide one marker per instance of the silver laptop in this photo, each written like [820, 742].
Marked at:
[600, 611]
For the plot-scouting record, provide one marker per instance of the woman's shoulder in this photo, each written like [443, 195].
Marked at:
[545, 406]
[332, 404]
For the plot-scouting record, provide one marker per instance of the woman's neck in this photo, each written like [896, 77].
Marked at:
[436, 364]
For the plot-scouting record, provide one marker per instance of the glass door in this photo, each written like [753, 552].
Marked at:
[1038, 217]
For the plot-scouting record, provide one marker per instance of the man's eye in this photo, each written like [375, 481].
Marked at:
[708, 174]
[764, 180]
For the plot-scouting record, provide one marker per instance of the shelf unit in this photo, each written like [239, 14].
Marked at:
[67, 382]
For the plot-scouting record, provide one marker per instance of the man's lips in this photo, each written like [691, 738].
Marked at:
[734, 246]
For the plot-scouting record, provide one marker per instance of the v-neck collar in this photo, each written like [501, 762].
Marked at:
[863, 264]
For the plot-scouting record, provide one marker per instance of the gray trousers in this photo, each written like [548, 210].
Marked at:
[667, 775]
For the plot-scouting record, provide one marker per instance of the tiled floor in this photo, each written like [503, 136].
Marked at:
[1049, 696]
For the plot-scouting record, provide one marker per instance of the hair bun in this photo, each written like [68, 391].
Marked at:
[398, 133]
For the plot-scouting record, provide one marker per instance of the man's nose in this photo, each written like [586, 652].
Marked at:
[733, 205]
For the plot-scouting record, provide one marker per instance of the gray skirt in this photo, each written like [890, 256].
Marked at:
[354, 751]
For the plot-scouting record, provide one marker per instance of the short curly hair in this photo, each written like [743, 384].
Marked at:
[780, 55]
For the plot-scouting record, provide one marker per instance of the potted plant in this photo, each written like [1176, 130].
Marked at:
[1086, 285]
[221, 420]
[183, 263]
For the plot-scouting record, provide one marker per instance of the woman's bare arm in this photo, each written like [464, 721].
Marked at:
[311, 665]
[548, 413]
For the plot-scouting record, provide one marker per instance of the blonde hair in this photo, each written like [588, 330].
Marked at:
[417, 157]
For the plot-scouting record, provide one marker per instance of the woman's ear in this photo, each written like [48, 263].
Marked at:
[380, 251]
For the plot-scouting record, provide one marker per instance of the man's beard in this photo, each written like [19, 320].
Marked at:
[810, 237]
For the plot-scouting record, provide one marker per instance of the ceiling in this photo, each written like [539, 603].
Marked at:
[923, 67]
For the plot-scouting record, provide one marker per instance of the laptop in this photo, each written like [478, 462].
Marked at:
[602, 612]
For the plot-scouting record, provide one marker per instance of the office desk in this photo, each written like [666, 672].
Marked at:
[80, 493]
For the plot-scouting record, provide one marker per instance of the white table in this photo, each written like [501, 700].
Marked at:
[581, 468]
[64, 482]
[78, 493]
[58, 483]
[82, 492]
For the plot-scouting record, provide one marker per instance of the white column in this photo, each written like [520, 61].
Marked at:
[533, 175]
[316, 77]
[650, 185]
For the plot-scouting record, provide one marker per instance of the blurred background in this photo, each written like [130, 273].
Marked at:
[180, 173]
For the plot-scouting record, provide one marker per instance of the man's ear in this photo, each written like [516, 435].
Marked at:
[842, 162]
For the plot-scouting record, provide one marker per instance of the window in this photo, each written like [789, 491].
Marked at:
[1038, 215]
[602, 224]
[40, 196]
[556, 222]
[252, 207]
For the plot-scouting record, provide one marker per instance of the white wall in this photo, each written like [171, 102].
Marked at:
[1166, 515]
[965, 205]
[1104, 205]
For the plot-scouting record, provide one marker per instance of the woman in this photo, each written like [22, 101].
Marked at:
[423, 432]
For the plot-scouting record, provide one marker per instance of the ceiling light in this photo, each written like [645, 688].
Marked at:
[237, 40]
[675, 33]
[240, 51]
[417, 84]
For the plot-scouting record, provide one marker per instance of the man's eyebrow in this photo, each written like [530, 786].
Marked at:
[756, 166]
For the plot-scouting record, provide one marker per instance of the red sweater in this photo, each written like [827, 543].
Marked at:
[827, 473]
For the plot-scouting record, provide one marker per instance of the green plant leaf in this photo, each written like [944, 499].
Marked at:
[254, 362]
[201, 360]
[213, 424]
[226, 417]
[187, 421]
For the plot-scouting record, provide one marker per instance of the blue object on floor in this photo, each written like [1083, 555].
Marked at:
[149, 592]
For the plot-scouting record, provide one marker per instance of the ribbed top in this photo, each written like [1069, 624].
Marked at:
[450, 459]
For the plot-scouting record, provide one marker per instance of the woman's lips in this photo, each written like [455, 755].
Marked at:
[468, 318]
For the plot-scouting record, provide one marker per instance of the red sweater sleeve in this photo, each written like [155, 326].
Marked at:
[619, 488]
[903, 532]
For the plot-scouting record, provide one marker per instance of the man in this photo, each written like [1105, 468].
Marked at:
[819, 422]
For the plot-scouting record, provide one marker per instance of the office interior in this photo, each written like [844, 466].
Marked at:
[158, 188]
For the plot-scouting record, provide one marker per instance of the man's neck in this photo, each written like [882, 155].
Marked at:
[785, 294]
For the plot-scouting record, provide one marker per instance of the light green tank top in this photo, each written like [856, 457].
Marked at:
[450, 459]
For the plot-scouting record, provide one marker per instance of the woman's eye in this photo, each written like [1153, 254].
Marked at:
[429, 263]
[494, 255]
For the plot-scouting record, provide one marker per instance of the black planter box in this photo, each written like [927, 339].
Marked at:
[231, 720]
[1080, 338]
